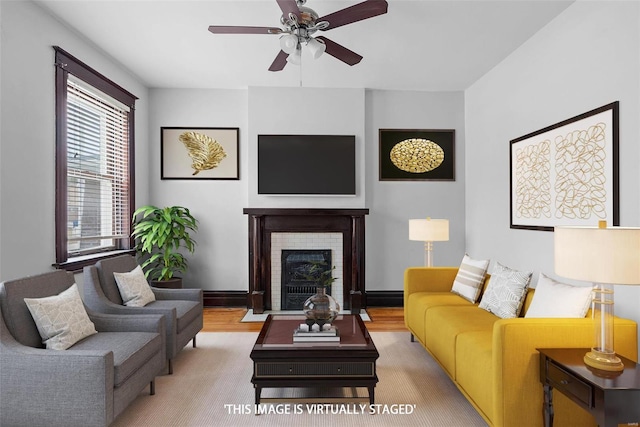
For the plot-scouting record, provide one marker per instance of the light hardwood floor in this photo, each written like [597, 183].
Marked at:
[229, 320]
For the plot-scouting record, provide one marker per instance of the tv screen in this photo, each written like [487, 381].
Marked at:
[307, 164]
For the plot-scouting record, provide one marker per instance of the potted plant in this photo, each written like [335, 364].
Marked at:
[319, 275]
[159, 234]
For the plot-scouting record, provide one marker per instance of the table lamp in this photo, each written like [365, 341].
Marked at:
[428, 231]
[604, 256]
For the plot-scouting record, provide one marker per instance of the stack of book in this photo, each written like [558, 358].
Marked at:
[326, 335]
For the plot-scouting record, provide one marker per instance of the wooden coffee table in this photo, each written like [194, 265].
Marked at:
[279, 363]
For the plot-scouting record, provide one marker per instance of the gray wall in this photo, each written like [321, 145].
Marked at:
[220, 261]
[306, 111]
[27, 134]
[393, 203]
[587, 57]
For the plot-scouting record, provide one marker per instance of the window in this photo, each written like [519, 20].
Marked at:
[94, 164]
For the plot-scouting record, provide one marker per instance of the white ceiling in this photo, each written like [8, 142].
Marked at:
[417, 45]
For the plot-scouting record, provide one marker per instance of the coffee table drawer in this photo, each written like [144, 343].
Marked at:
[313, 369]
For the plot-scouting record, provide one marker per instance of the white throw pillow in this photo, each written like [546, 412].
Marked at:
[61, 319]
[470, 278]
[556, 299]
[134, 288]
[505, 292]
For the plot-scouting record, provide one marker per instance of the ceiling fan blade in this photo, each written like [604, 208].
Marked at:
[280, 61]
[340, 52]
[227, 29]
[289, 6]
[355, 13]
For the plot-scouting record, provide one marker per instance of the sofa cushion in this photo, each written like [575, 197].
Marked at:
[470, 278]
[419, 302]
[474, 372]
[134, 288]
[506, 291]
[61, 319]
[186, 311]
[556, 299]
[445, 323]
[131, 350]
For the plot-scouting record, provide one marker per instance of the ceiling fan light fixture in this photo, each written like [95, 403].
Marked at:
[296, 57]
[299, 25]
[316, 47]
[289, 43]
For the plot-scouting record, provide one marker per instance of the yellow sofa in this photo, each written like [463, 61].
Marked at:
[494, 361]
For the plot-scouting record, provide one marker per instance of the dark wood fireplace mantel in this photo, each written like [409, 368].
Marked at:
[264, 221]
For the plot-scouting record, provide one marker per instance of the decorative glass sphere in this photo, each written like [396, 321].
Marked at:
[321, 307]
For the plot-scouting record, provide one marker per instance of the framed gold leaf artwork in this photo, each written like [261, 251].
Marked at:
[567, 174]
[417, 155]
[199, 153]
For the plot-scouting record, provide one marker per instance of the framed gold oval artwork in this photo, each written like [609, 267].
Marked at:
[417, 154]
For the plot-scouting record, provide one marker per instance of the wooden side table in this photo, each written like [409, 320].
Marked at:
[613, 398]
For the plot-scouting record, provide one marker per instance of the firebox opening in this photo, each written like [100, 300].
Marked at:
[296, 286]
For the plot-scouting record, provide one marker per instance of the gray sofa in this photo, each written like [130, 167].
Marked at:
[182, 308]
[88, 384]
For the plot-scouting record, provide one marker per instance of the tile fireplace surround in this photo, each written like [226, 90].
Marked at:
[294, 228]
[306, 241]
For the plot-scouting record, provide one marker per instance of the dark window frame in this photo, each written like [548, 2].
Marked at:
[66, 64]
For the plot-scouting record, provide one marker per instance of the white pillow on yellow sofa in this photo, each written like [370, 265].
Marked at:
[559, 300]
[470, 278]
[134, 288]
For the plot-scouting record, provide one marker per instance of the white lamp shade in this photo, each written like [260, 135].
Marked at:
[289, 43]
[295, 58]
[429, 230]
[600, 255]
[316, 47]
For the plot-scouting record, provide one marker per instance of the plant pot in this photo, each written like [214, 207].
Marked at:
[321, 307]
[173, 283]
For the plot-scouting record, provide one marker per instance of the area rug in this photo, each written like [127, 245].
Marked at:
[211, 386]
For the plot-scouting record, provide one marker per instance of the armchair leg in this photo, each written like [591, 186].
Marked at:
[152, 387]
[412, 338]
[194, 341]
[170, 366]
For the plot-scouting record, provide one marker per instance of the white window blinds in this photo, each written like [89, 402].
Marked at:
[97, 170]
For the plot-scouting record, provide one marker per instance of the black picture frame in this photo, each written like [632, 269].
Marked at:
[176, 163]
[567, 174]
[389, 138]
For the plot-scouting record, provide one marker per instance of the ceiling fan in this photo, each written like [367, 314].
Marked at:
[300, 23]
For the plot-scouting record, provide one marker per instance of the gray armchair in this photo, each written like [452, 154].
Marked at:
[182, 308]
[90, 383]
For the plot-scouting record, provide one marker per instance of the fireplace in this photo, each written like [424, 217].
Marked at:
[266, 222]
[299, 267]
[303, 241]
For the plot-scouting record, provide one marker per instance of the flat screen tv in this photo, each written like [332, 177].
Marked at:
[307, 164]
